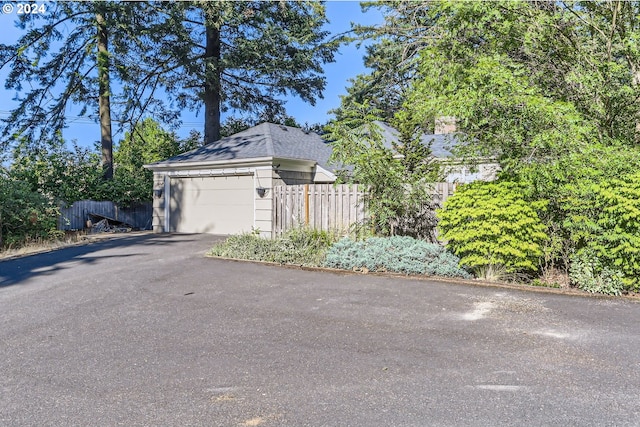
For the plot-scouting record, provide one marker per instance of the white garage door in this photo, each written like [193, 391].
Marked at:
[218, 205]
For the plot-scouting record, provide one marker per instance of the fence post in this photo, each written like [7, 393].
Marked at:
[306, 205]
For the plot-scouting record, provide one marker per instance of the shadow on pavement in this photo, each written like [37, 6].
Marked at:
[15, 271]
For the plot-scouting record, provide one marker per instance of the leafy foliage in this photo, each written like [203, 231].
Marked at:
[24, 214]
[402, 254]
[501, 114]
[57, 172]
[619, 244]
[610, 228]
[534, 73]
[299, 246]
[491, 224]
[145, 143]
[588, 274]
[399, 178]
[567, 185]
[548, 89]
[65, 175]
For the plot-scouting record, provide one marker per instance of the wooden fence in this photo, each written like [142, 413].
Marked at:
[443, 190]
[75, 217]
[326, 206]
[320, 206]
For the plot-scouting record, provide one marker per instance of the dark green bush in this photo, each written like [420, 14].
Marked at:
[24, 215]
[400, 254]
[298, 246]
[615, 234]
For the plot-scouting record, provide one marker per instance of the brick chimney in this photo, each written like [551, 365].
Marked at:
[445, 124]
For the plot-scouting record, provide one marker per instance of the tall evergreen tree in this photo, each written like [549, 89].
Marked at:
[241, 56]
[68, 57]
[391, 55]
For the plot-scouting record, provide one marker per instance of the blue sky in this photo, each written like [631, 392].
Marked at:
[348, 64]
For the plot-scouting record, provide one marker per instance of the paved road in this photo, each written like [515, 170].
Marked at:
[145, 331]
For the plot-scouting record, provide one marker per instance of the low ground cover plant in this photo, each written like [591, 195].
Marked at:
[587, 273]
[298, 246]
[401, 254]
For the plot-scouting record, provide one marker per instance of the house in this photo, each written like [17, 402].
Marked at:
[441, 143]
[226, 187]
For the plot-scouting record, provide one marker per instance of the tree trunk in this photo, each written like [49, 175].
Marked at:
[635, 81]
[212, 97]
[104, 103]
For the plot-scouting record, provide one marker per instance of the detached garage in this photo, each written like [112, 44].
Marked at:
[219, 205]
[226, 187]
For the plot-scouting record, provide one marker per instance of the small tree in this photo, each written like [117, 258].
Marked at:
[146, 142]
[398, 179]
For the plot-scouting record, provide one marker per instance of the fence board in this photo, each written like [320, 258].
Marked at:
[75, 217]
[328, 207]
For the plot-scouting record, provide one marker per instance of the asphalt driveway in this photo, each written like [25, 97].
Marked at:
[146, 331]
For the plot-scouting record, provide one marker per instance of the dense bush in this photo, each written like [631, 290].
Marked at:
[24, 215]
[617, 244]
[298, 246]
[490, 224]
[400, 254]
[587, 273]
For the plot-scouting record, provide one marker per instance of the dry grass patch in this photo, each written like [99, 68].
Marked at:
[41, 245]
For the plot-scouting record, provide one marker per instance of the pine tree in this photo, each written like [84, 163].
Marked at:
[115, 60]
[68, 57]
[392, 56]
[240, 56]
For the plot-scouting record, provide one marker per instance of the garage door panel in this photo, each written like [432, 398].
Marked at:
[220, 205]
[217, 183]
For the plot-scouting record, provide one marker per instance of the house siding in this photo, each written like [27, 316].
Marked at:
[158, 217]
[262, 205]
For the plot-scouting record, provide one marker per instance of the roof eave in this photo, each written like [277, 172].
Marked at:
[319, 171]
[181, 165]
[255, 162]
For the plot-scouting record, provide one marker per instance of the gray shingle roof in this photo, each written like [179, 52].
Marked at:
[285, 142]
[263, 140]
[441, 144]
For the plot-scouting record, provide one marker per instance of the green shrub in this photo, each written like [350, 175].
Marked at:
[298, 246]
[587, 273]
[490, 224]
[25, 215]
[617, 242]
[400, 254]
